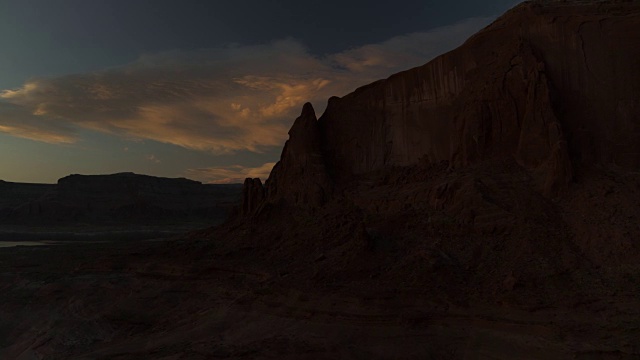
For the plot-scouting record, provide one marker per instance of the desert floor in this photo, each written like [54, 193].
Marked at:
[184, 299]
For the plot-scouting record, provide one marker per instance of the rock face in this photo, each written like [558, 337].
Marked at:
[515, 155]
[550, 84]
[252, 196]
[300, 178]
[457, 109]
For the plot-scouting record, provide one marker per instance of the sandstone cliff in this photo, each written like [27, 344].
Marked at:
[550, 84]
[501, 165]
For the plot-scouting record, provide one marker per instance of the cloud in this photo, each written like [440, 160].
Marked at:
[20, 122]
[217, 100]
[230, 174]
[152, 158]
[406, 51]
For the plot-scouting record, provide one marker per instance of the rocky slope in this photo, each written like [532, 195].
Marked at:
[503, 171]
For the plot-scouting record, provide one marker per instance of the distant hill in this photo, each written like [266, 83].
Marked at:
[124, 198]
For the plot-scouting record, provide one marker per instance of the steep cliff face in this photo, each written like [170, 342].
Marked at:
[252, 196]
[543, 104]
[300, 178]
[511, 90]
[502, 174]
[548, 84]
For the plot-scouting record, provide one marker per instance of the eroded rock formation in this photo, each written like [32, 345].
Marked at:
[300, 178]
[252, 196]
[550, 85]
[505, 154]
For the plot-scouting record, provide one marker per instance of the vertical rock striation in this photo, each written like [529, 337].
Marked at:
[300, 178]
[252, 196]
[549, 84]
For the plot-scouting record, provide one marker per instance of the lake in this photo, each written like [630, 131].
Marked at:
[4, 244]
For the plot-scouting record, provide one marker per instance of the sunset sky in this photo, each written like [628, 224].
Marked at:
[190, 88]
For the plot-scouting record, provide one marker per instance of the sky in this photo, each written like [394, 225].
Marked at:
[200, 89]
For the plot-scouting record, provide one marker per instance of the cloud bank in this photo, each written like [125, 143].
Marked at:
[230, 174]
[218, 100]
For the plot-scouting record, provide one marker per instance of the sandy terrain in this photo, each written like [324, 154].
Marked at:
[158, 300]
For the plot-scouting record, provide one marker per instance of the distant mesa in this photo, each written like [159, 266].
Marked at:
[117, 198]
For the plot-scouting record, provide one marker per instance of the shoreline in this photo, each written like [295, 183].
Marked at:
[96, 233]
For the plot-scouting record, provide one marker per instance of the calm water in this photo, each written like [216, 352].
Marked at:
[4, 244]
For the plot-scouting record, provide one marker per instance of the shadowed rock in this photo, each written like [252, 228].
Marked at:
[300, 178]
[123, 197]
[252, 196]
[413, 220]
[547, 84]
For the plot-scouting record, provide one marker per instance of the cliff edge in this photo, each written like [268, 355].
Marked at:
[552, 85]
[504, 163]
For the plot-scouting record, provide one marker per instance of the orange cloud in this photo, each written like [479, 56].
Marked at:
[241, 98]
[37, 134]
[230, 174]
[21, 122]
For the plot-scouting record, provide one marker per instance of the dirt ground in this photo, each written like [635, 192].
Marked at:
[197, 299]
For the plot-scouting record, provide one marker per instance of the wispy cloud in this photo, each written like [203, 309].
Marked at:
[217, 100]
[21, 122]
[153, 159]
[230, 174]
